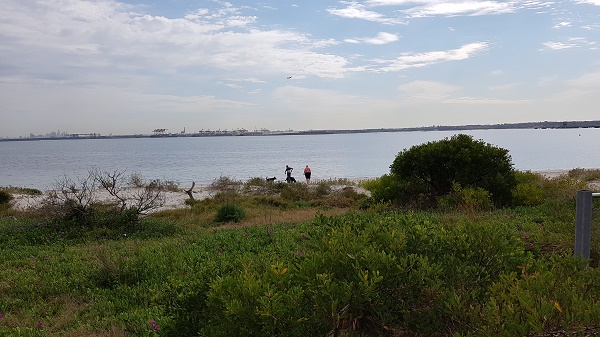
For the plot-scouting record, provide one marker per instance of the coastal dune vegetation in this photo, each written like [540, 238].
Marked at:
[452, 242]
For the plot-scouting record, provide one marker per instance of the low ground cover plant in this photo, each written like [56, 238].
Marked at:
[308, 261]
[358, 274]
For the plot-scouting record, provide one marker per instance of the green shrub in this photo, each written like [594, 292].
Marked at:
[322, 189]
[336, 200]
[167, 185]
[256, 181]
[227, 197]
[21, 190]
[529, 177]
[230, 213]
[5, 197]
[296, 192]
[584, 174]
[372, 206]
[562, 188]
[528, 191]
[225, 185]
[559, 296]
[360, 275]
[469, 199]
[392, 188]
[527, 194]
[270, 201]
[435, 166]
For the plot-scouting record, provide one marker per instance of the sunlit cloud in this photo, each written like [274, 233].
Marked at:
[558, 45]
[572, 42]
[426, 59]
[108, 36]
[590, 2]
[562, 24]
[467, 8]
[354, 10]
[381, 38]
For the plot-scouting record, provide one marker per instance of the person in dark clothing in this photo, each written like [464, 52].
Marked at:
[288, 174]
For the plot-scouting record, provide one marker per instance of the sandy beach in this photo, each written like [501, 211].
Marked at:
[176, 199]
[173, 199]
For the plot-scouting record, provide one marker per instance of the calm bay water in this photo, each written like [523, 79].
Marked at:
[38, 164]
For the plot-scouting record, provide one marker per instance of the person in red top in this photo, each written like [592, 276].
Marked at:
[307, 174]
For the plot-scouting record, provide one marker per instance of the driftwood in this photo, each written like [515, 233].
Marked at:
[189, 192]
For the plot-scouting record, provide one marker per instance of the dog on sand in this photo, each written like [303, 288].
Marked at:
[270, 180]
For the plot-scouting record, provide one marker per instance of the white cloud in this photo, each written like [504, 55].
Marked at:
[562, 24]
[470, 8]
[572, 43]
[97, 36]
[381, 38]
[429, 58]
[355, 10]
[428, 8]
[558, 45]
[483, 101]
[251, 80]
[590, 2]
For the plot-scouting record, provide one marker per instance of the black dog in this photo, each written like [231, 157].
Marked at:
[290, 179]
[271, 179]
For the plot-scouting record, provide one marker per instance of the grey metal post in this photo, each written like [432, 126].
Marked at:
[583, 226]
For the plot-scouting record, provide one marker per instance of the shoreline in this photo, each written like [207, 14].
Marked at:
[176, 199]
[173, 199]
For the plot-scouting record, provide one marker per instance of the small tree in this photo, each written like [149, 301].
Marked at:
[437, 165]
[131, 191]
[79, 199]
[70, 198]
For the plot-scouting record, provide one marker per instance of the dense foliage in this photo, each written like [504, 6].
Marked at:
[431, 170]
[371, 272]
[500, 273]
[230, 213]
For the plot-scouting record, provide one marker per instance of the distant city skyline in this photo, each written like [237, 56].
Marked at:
[132, 66]
[262, 131]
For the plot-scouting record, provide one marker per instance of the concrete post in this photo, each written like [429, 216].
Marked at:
[583, 226]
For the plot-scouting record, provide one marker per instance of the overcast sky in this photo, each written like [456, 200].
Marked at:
[133, 66]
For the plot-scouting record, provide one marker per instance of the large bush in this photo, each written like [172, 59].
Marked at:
[435, 166]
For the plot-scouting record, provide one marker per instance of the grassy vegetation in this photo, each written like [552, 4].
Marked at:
[307, 261]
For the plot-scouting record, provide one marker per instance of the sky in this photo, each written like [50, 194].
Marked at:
[132, 66]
